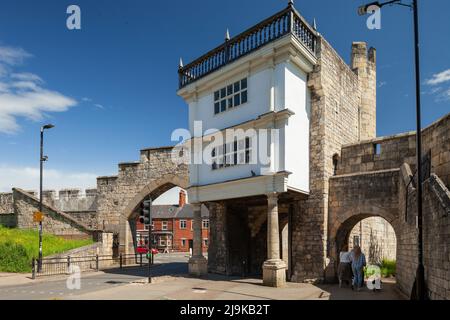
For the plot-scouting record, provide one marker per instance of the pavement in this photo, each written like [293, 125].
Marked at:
[171, 282]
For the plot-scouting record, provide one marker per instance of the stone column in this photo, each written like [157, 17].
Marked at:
[274, 269]
[198, 265]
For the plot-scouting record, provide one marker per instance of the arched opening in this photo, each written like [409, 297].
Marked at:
[169, 223]
[377, 239]
[375, 235]
[131, 232]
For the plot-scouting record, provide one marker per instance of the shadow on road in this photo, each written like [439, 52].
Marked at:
[157, 270]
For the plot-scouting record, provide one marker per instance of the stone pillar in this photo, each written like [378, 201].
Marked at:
[198, 265]
[274, 269]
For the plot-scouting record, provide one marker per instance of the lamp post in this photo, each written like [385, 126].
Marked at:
[420, 273]
[42, 159]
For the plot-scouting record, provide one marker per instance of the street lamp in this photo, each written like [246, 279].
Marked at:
[42, 159]
[420, 274]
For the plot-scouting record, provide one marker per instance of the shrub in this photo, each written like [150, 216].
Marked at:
[388, 268]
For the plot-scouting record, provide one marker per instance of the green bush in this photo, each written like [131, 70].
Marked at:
[388, 268]
[18, 246]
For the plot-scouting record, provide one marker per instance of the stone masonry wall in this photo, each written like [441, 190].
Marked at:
[335, 121]
[6, 203]
[356, 197]
[119, 196]
[388, 194]
[55, 222]
[7, 216]
[217, 249]
[398, 149]
[376, 238]
[436, 207]
[80, 207]
[71, 200]
[436, 222]
[83, 256]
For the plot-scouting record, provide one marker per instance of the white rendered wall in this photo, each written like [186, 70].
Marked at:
[258, 85]
[288, 84]
[297, 99]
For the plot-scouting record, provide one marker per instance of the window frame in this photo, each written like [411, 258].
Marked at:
[239, 153]
[231, 96]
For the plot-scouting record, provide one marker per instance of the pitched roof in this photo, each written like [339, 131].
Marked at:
[174, 211]
[187, 212]
[164, 211]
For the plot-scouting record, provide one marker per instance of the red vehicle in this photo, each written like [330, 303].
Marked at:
[144, 250]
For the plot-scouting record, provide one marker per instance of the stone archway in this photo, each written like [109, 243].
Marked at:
[153, 190]
[120, 195]
[342, 223]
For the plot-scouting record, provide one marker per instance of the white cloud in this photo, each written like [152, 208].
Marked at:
[382, 84]
[439, 78]
[28, 178]
[23, 94]
[443, 96]
[12, 55]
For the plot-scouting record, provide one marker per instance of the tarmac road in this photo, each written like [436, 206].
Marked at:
[52, 288]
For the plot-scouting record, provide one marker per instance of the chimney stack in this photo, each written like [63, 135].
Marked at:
[182, 199]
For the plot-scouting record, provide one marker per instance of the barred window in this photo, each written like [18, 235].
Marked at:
[231, 96]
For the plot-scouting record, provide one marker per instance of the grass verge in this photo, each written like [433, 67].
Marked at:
[18, 247]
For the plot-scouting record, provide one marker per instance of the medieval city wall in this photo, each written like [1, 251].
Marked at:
[388, 167]
[398, 149]
[54, 222]
[81, 207]
[7, 216]
[436, 226]
[119, 196]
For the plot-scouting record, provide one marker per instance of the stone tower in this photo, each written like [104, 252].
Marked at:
[364, 65]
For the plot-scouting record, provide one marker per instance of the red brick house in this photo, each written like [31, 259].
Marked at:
[172, 228]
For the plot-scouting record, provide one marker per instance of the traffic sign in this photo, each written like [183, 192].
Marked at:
[38, 216]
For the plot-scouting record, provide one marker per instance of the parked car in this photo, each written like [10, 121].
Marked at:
[144, 250]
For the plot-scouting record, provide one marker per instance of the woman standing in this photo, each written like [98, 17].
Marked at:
[358, 263]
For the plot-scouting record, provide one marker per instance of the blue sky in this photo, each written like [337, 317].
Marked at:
[111, 87]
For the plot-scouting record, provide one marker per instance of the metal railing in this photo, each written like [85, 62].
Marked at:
[285, 22]
[62, 265]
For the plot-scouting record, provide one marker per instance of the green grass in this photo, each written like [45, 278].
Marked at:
[18, 247]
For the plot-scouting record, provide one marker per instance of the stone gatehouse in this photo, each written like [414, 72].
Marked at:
[289, 221]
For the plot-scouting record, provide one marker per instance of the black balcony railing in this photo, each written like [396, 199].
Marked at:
[285, 22]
